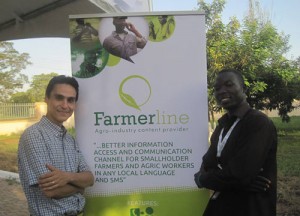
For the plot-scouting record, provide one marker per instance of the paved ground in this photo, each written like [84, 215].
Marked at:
[12, 198]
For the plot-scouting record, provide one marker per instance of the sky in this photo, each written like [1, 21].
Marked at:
[53, 54]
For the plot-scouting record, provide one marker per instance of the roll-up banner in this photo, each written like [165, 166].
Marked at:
[142, 115]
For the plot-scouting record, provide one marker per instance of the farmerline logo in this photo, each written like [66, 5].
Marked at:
[139, 88]
[139, 94]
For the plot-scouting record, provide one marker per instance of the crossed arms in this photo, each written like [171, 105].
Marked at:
[59, 184]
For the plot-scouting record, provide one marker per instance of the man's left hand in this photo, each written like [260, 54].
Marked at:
[53, 179]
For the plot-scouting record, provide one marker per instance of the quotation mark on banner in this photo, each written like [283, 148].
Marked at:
[138, 212]
[139, 88]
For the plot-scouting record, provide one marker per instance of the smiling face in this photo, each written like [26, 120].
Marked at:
[229, 91]
[61, 103]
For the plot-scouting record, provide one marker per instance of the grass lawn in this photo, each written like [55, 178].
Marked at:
[8, 152]
[288, 152]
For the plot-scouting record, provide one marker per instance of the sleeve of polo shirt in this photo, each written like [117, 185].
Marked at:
[254, 145]
[141, 42]
[34, 156]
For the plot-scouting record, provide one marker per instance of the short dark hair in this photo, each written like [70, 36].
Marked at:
[118, 18]
[80, 21]
[237, 73]
[62, 79]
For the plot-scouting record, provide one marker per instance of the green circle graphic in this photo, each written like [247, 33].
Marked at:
[128, 99]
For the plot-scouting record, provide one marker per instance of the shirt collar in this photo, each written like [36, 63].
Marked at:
[238, 113]
[58, 130]
[115, 34]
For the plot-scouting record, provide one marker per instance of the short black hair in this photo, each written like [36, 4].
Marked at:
[62, 79]
[80, 21]
[120, 17]
[237, 73]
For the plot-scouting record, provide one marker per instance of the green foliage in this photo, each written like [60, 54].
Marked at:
[38, 86]
[11, 64]
[36, 92]
[21, 97]
[256, 49]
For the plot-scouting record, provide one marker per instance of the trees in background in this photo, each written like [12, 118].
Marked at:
[36, 92]
[12, 80]
[253, 46]
[257, 49]
[11, 64]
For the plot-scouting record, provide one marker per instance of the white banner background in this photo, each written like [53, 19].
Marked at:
[176, 71]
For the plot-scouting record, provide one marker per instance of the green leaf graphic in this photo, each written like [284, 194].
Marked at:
[128, 100]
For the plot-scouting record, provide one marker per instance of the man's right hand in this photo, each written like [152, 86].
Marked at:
[260, 184]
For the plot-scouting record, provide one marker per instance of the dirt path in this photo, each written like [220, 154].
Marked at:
[12, 199]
